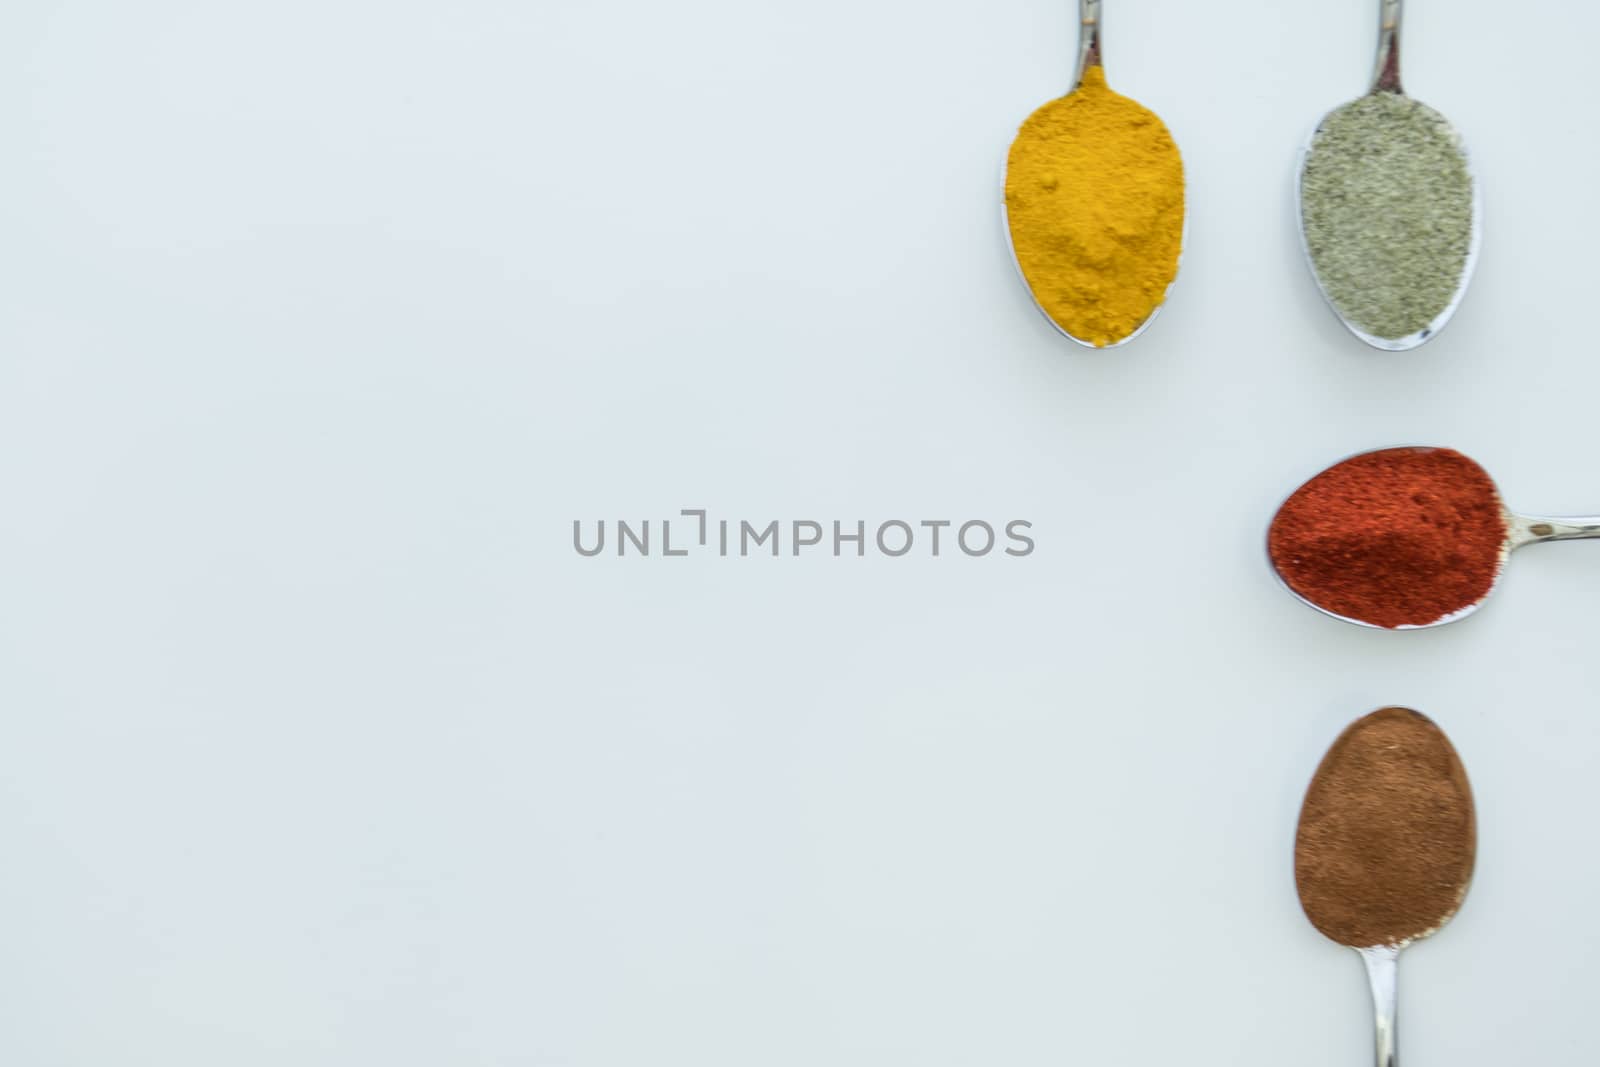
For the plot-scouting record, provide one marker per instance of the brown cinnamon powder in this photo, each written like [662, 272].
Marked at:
[1387, 834]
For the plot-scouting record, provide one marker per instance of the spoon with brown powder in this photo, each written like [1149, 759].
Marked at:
[1386, 845]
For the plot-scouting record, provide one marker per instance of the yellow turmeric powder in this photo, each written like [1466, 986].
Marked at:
[1094, 200]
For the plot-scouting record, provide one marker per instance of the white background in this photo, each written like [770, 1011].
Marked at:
[323, 319]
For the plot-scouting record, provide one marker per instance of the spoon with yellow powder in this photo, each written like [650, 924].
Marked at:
[1094, 205]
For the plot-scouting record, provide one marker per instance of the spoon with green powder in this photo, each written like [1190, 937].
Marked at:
[1094, 205]
[1390, 214]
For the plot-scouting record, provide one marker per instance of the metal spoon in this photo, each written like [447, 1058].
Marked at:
[1088, 56]
[1455, 838]
[1520, 529]
[1386, 79]
[1383, 966]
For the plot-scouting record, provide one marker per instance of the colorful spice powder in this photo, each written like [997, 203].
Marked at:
[1386, 208]
[1388, 833]
[1397, 537]
[1094, 201]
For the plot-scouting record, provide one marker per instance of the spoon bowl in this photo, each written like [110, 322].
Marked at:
[1437, 323]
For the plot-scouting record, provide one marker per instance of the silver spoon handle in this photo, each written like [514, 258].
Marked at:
[1382, 966]
[1386, 72]
[1088, 38]
[1531, 529]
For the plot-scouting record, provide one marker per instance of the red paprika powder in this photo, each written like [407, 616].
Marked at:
[1397, 537]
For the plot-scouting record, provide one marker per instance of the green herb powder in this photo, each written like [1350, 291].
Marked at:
[1386, 203]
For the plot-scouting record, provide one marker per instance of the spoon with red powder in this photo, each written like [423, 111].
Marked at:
[1402, 538]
